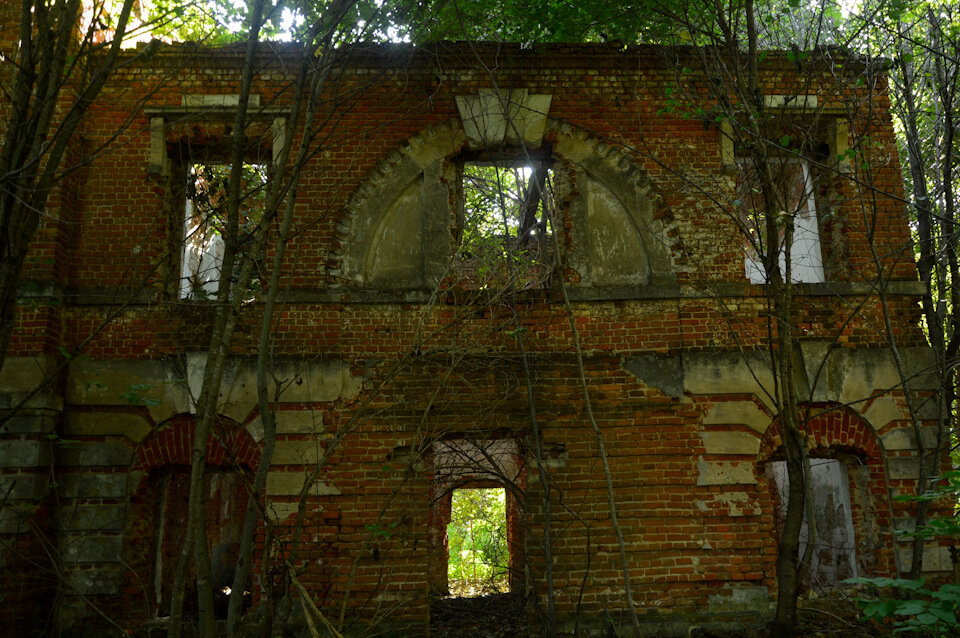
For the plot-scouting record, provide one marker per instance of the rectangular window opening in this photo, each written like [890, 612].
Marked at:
[794, 197]
[479, 555]
[205, 222]
[507, 221]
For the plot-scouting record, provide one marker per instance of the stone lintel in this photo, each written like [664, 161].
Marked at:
[491, 118]
[290, 484]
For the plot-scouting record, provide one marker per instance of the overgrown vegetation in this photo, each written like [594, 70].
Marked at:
[911, 606]
[477, 537]
[506, 223]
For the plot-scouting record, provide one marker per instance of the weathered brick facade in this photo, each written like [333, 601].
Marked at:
[387, 350]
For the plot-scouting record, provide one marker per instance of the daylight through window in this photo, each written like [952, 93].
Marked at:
[477, 534]
[205, 221]
[507, 217]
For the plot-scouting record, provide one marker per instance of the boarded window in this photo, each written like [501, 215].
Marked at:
[226, 506]
[834, 556]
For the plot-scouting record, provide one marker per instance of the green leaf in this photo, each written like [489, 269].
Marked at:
[948, 592]
[927, 619]
[377, 531]
[945, 615]
[880, 608]
[911, 607]
[909, 585]
[133, 395]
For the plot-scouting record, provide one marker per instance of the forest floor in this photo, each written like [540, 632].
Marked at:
[832, 615]
[491, 616]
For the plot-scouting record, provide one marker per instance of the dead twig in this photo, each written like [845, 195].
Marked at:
[310, 608]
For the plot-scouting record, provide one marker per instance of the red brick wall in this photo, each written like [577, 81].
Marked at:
[368, 542]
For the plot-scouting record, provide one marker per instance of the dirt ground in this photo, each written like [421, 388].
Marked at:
[833, 615]
[493, 616]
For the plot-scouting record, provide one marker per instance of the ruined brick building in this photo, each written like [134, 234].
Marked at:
[400, 353]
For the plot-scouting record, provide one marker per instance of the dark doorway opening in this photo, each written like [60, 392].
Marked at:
[167, 489]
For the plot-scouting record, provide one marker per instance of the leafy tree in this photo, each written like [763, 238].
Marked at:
[926, 83]
[506, 217]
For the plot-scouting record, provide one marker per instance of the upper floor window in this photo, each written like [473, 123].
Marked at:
[793, 190]
[190, 149]
[505, 223]
[504, 217]
[205, 222]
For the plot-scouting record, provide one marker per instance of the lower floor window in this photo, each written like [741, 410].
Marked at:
[834, 557]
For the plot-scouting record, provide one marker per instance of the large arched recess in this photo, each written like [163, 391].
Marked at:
[398, 226]
[836, 432]
[157, 512]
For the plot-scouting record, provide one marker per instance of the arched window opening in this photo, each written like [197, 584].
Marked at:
[166, 492]
[158, 512]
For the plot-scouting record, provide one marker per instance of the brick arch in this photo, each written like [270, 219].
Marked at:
[834, 430]
[830, 426]
[172, 442]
